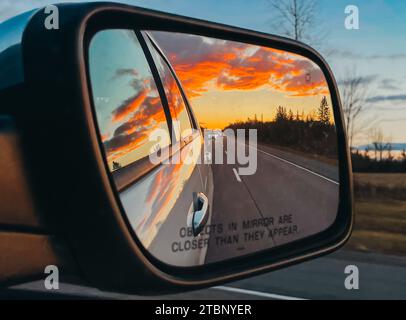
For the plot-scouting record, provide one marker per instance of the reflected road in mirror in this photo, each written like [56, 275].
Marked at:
[217, 149]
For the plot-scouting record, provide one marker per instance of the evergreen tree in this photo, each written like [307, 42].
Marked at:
[290, 116]
[323, 112]
[281, 114]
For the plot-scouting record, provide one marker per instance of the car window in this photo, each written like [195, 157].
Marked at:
[126, 99]
[175, 100]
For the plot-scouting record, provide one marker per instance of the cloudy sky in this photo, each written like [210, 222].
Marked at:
[377, 51]
[228, 81]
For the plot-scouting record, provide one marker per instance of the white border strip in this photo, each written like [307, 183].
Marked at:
[257, 293]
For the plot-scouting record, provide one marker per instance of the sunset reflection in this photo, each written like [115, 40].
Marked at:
[229, 81]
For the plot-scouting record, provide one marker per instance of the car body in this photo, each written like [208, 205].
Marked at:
[157, 198]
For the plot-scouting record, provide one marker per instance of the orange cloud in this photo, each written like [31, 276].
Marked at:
[236, 66]
[129, 106]
[137, 116]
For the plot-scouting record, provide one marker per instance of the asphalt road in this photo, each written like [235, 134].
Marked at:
[289, 197]
[380, 277]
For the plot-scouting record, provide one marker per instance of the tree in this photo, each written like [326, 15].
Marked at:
[366, 152]
[291, 117]
[389, 148]
[378, 142]
[297, 19]
[323, 112]
[403, 156]
[281, 114]
[297, 118]
[354, 92]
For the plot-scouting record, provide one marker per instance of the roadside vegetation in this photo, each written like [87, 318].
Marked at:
[380, 213]
[380, 198]
[378, 159]
[313, 134]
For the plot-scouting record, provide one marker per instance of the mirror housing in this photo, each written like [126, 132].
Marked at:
[67, 171]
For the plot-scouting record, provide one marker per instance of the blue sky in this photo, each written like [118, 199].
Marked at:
[377, 50]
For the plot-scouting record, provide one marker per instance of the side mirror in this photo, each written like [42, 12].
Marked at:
[172, 153]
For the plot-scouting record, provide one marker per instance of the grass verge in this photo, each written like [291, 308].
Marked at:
[380, 226]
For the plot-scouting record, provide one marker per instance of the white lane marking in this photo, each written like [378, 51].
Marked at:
[237, 176]
[297, 166]
[257, 293]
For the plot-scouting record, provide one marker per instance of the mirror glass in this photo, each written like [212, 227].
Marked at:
[217, 149]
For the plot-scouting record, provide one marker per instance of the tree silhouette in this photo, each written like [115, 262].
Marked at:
[366, 152]
[290, 115]
[298, 19]
[378, 142]
[389, 147]
[301, 133]
[281, 114]
[354, 93]
[323, 111]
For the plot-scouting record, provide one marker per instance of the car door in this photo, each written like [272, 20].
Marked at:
[186, 119]
[137, 96]
[187, 150]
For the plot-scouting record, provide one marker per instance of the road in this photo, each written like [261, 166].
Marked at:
[288, 197]
[380, 277]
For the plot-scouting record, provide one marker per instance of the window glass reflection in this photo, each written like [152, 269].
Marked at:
[126, 99]
[174, 96]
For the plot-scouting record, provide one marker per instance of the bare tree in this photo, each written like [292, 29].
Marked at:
[354, 91]
[366, 151]
[297, 19]
[380, 143]
[390, 148]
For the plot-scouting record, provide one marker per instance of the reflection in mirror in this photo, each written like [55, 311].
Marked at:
[218, 149]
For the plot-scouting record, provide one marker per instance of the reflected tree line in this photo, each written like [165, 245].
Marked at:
[313, 133]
